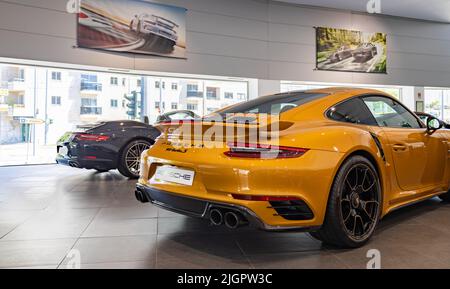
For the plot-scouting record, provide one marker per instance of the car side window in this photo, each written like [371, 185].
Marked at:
[352, 111]
[390, 113]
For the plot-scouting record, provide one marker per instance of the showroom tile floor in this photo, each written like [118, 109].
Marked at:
[47, 211]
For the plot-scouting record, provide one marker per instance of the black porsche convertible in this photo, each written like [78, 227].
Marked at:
[107, 145]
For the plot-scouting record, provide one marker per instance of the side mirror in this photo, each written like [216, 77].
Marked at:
[433, 124]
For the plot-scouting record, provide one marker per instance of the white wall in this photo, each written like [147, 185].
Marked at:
[241, 38]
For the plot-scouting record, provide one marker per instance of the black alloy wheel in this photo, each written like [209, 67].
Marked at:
[354, 205]
[360, 201]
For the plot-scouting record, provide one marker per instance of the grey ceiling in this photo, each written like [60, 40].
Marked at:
[433, 10]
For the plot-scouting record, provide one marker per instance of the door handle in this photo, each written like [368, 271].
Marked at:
[399, 147]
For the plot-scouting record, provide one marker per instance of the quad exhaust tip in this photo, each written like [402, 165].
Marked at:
[231, 219]
[74, 165]
[234, 220]
[216, 217]
[141, 197]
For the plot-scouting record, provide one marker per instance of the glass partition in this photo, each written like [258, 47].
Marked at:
[198, 95]
[38, 105]
[437, 103]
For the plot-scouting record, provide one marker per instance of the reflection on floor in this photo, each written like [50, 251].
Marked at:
[46, 211]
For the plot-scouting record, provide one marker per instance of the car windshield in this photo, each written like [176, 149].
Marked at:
[272, 104]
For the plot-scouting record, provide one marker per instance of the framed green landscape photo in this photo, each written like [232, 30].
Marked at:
[350, 50]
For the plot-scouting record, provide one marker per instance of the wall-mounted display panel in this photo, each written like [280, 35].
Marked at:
[132, 26]
[350, 50]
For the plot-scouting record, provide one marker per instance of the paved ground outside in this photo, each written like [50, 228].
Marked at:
[26, 153]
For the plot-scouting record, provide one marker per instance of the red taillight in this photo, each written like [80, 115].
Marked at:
[82, 15]
[257, 151]
[91, 137]
[264, 198]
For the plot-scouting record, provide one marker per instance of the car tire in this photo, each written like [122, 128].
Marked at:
[353, 209]
[129, 160]
[445, 197]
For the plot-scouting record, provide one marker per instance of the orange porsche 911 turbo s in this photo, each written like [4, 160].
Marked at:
[331, 162]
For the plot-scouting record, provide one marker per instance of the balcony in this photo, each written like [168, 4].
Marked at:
[91, 86]
[88, 110]
[194, 93]
[212, 93]
[16, 84]
[212, 96]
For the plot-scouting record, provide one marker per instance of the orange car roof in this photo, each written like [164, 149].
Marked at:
[334, 90]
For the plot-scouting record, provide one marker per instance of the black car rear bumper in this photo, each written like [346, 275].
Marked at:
[85, 156]
[75, 162]
[200, 208]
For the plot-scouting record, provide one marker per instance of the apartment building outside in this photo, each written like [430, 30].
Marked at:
[38, 105]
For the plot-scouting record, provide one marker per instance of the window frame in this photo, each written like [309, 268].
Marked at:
[193, 106]
[114, 81]
[242, 96]
[20, 99]
[58, 100]
[225, 94]
[114, 101]
[362, 96]
[57, 74]
[212, 93]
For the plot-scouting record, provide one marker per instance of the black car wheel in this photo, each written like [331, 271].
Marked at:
[353, 209]
[130, 159]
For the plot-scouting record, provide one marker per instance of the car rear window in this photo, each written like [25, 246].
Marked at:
[273, 104]
[352, 111]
